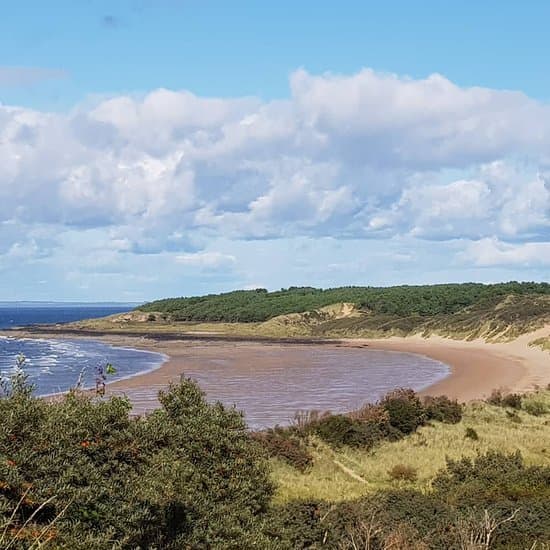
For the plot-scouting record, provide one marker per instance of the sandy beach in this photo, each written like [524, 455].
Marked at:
[477, 367]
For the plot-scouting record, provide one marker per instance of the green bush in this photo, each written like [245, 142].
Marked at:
[284, 444]
[339, 429]
[534, 407]
[443, 409]
[296, 525]
[405, 410]
[493, 476]
[500, 399]
[187, 475]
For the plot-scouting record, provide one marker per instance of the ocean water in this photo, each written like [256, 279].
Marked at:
[26, 313]
[55, 365]
[268, 382]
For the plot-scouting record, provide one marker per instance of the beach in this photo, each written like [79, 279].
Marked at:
[476, 367]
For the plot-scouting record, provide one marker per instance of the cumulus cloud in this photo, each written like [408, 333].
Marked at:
[492, 252]
[364, 156]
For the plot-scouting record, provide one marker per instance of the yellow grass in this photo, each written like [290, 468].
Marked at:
[543, 343]
[330, 478]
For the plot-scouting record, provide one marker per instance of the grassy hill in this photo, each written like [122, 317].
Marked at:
[344, 473]
[464, 311]
[400, 301]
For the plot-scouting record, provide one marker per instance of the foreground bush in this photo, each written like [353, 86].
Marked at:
[186, 476]
[493, 501]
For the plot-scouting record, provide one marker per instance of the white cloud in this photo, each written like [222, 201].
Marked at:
[492, 252]
[368, 155]
[207, 260]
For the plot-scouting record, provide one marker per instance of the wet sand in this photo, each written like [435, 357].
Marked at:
[477, 367]
[271, 382]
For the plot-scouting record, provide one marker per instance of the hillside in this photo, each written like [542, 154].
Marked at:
[468, 311]
[400, 301]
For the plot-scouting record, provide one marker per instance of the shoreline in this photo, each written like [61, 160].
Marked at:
[476, 367]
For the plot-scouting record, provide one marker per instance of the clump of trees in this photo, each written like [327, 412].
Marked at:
[399, 301]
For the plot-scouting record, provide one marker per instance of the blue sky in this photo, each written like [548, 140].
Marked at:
[181, 147]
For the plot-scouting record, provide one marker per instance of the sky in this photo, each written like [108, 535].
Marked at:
[167, 148]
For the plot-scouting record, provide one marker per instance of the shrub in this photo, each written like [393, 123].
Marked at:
[339, 429]
[283, 444]
[493, 475]
[534, 407]
[495, 398]
[402, 472]
[471, 434]
[187, 475]
[405, 410]
[500, 399]
[296, 525]
[512, 400]
[443, 409]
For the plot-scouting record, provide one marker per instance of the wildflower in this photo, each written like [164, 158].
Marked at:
[85, 444]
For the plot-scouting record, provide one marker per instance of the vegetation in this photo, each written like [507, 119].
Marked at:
[344, 472]
[80, 472]
[400, 301]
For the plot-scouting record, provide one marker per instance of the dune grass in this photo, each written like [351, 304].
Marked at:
[349, 473]
[542, 343]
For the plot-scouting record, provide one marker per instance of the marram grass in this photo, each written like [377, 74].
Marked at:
[350, 473]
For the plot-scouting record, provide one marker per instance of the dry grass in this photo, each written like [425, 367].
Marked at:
[425, 451]
[542, 343]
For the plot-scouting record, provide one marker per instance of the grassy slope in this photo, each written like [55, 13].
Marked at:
[425, 450]
[496, 319]
[399, 301]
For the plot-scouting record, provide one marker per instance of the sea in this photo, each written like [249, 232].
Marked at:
[269, 389]
[57, 365]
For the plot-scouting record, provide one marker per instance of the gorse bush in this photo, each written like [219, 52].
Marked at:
[535, 407]
[405, 410]
[443, 409]
[500, 399]
[286, 445]
[187, 475]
